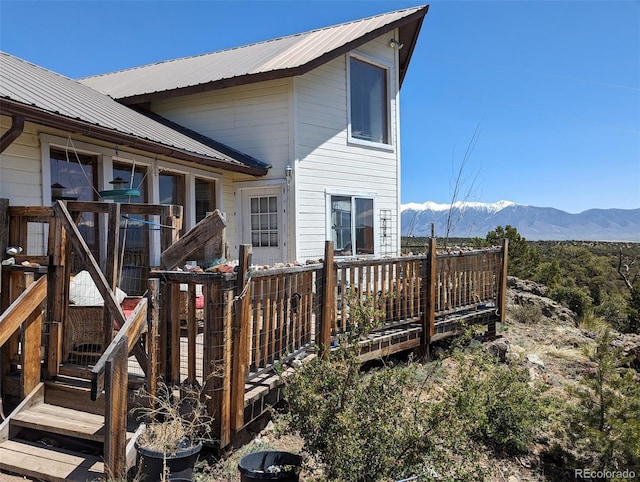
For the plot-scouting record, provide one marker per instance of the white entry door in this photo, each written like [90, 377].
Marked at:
[262, 224]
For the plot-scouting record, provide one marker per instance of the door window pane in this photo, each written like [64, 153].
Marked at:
[264, 221]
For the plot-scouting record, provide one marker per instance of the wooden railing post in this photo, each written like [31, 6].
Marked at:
[31, 343]
[58, 294]
[112, 265]
[115, 440]
[171, 221]
[323, 337]
[429, 294]
[217, 359]
[501, 301]
[153, 336]
[174, 333]
[241, 339]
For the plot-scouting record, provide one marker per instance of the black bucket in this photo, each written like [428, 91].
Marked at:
[180, 465]
[270, 465]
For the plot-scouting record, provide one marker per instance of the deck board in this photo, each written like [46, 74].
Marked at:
[38, 461]
[64, 421]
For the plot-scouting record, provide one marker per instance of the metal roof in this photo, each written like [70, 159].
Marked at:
[48, 98]
[282, 57]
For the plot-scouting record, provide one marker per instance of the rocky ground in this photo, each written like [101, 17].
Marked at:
[539, 332]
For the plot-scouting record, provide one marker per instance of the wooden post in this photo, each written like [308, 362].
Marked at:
[153, 336]
[4, 225]
[31, 343]
[163, 329]
[112, 265]
[115, 440]
[171, 225]
[501, 302]
[429, 294]
[58, 295]
[241, 332]
[323, 337]
[192, 332]
[174, 332]
[218, 321]
[193, 241]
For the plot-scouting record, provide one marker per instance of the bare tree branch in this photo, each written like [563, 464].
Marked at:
[460, 182]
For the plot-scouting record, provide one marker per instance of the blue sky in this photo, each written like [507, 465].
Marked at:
[552, 88]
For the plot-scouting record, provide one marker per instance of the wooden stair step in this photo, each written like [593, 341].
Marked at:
[44, 463]
[73, 393]
[61, 420]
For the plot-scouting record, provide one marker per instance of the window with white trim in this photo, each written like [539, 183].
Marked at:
[369, 110]
[352, 225]
[264, 221]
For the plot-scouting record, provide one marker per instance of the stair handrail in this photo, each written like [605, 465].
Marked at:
[131, 331]
[22, 308]
[110, 374]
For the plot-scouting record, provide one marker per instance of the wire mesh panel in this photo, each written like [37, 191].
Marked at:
[283, 314]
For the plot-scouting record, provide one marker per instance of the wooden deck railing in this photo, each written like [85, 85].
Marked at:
[253, 319]
[257, 318]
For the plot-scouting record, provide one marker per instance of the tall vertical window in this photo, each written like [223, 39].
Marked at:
[134, 233]
[205, 198]
[369, 101]
[75, 175]
[264, 221]
[171, 188]
[352, 225]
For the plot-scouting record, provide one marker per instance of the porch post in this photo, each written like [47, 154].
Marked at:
[241, 339]
[323, 337]
[429, 294]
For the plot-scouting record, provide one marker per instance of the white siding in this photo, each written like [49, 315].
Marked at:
[326, 161]
[20, 168]
[253, 119]
[301, 122]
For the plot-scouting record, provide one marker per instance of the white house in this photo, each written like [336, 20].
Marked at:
[296, 140]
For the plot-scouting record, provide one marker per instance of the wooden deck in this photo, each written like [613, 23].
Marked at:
[249, 321]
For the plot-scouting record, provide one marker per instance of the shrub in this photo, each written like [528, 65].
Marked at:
[604, 425]
[360, 426]
[528, 313]
[494, 402]
[576, 299]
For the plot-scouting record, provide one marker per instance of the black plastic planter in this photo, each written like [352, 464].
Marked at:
[270, 465]
[179, 465]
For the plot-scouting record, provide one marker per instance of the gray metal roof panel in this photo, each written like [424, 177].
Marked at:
[282, 54]
[32, 85]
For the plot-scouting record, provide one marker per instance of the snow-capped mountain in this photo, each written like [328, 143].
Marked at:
[469, 219]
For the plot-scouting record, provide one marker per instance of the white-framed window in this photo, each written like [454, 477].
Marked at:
[264, 221]
[368, 101]
[351, 224]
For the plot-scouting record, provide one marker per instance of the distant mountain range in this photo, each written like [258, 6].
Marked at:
[472, 219]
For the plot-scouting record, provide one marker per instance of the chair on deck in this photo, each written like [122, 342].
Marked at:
[84, 331]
